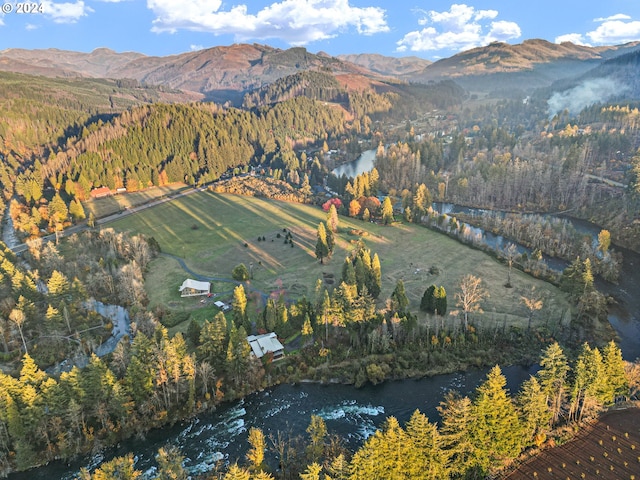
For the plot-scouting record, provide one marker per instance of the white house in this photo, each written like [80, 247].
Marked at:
[192, 288]
[263, 344]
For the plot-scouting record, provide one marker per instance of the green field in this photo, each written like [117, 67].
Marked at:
[209, 231]
[101, 207]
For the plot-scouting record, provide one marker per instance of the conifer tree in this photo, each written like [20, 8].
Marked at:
[399, 297]
[552, 377]
[617, 383]
[332, 219]
[387, 211]
[427, 459]
[255, 455]
[534, 411]
[457, 414]
[496, 428]
[322, 249]
[375, 284]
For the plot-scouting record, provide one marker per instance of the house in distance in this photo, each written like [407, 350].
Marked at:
[193, 288]
[263, 344]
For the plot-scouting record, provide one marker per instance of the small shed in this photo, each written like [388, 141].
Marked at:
[225, 307]
[193, 288]
[263, 344]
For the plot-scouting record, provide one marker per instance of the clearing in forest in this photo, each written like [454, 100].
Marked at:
[215, 232]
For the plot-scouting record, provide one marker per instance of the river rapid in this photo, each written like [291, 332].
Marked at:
[352, 413]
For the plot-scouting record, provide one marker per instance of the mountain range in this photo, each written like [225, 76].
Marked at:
[226, 73]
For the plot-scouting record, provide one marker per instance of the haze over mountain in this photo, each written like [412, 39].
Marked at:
[227, 72]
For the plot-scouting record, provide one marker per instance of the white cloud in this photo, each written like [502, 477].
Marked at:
[618, 16]
[296, 22]
[31, 26]
[195, 48]
[615, 32]
[460, 28]
[575, 38]
[66, 12]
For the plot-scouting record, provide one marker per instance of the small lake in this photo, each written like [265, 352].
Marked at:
[364, 163]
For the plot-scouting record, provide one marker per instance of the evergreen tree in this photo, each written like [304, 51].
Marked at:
[387, 211]
[214, 341]
[427, 459]
[375, 284]
[170, 462]
[332, 219]
[617, 384]
[496, 428]
[535, 415]
[399, 297]
[552, 377]
[331, 242]
[440, 301]
[317, 431]
[239, 305]
[427, 303]
[457, 415]
[322, 249]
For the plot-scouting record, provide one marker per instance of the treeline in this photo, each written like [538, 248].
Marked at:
[316, 85]
[476, 436]
[160, 144]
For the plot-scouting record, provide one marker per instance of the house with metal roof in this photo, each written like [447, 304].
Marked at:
[263, 344]
[192, 288]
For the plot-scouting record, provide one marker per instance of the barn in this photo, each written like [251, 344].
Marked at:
[193, 288]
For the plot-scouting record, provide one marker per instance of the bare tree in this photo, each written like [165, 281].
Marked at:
[18, 317]
[533, 302]
[471, 293]
[510, 253]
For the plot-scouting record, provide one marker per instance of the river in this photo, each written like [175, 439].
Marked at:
[352, 413]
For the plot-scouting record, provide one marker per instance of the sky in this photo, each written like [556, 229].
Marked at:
[424, 28]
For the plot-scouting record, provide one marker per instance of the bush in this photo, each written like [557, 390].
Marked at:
[240, 273]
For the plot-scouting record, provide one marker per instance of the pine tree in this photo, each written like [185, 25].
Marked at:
[387, 211]
[170, 462]
[456, 414]
[440, 301]
[332, 219]
[496, 428]
[331, 242]
[375, 285]
[615, 373]
[322, 249]
[239, 305]
[535, 415]
[399, 297]
[552, 377]
[427, 459]
[317, 431]
[427, 303]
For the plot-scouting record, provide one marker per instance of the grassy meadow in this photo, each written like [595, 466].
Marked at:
[102, 207]
[215, 232]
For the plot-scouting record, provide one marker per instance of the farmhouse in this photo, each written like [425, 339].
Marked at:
[263, 344]
[192, 288]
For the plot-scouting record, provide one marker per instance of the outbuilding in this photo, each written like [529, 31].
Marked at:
[193, 288]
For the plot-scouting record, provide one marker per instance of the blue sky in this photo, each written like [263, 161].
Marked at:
[428, 29]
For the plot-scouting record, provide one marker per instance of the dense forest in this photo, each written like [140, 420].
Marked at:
[434, 142]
